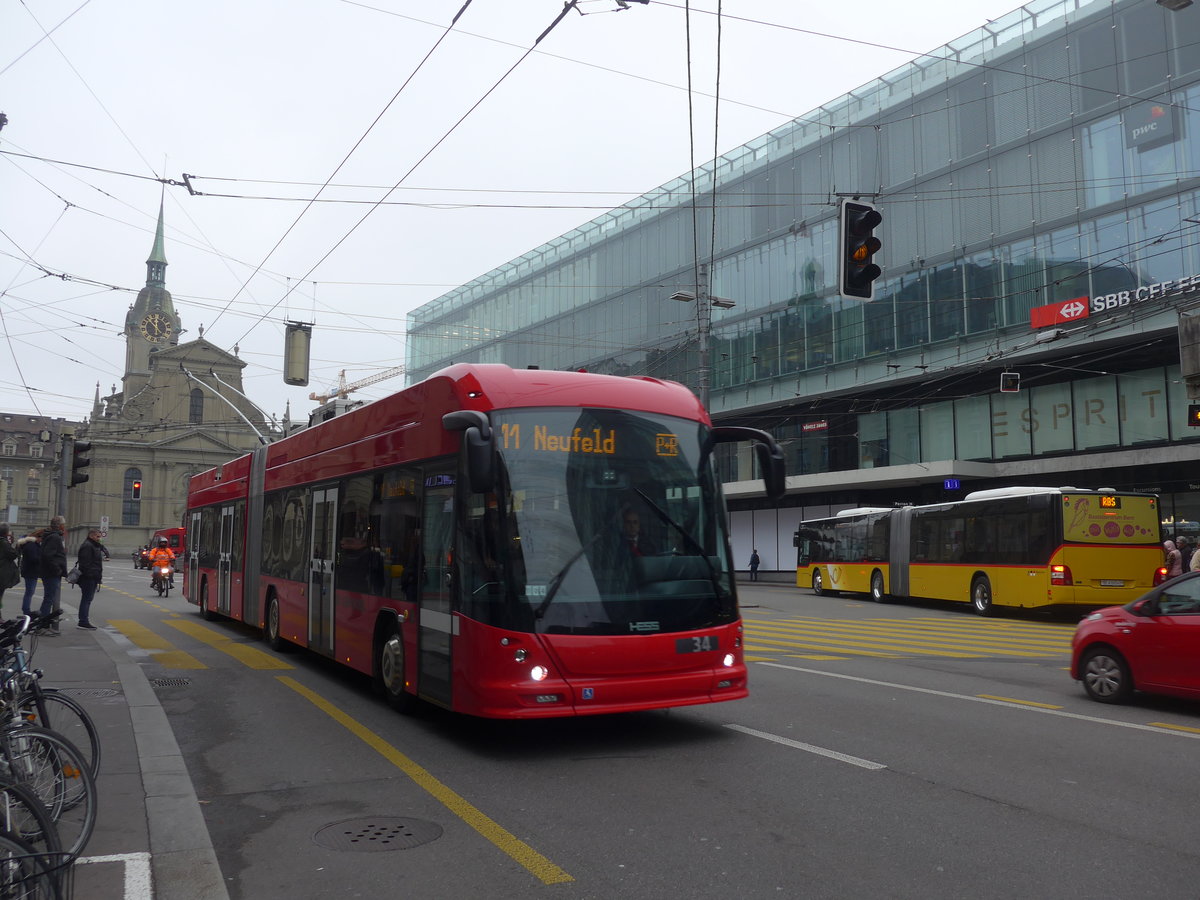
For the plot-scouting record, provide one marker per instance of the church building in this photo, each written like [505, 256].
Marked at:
[180, 410]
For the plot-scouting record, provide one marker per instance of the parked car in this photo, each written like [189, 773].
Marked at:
[1151, 644]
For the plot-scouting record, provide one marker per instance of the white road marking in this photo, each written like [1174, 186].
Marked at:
[1007, 704]
[809, 748]
[138, 882]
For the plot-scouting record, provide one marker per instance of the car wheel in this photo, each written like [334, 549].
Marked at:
[1106, 676]
[981, 596]
[877, 593]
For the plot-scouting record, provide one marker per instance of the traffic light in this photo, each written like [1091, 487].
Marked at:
[135, 491]
[1010, 382]
[79, 461]
[1194, 414]
[858, 245]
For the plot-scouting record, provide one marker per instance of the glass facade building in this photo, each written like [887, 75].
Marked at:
[1051, 156]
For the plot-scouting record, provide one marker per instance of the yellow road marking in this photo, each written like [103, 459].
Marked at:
[1018, 702]
[540, 867]
[814, 656]
[1175, 727]
[251, 657]
[164, 652]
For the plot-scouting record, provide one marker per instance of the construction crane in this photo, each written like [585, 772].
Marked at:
[343, 388]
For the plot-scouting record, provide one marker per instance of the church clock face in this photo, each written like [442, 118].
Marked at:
[156, 327]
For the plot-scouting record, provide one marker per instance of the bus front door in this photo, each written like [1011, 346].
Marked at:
[224, 555]
[192, 561]
[321, 560]
[437, 625]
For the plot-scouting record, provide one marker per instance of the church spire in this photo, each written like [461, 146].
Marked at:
[156, 265]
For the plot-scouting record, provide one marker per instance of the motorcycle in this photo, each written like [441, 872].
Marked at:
[161, 579]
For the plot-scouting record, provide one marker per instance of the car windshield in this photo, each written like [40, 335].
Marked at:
[604, 522]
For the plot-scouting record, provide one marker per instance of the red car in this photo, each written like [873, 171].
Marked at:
[1151, 644]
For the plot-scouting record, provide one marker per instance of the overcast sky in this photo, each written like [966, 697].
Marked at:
[263, 100]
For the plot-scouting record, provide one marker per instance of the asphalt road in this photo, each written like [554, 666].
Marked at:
[885, 751]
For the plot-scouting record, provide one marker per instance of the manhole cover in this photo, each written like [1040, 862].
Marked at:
[170, 682]
[89, 692]
[377, 833]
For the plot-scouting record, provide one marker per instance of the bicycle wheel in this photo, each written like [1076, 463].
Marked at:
[26, 874]
[22, 814]
[54, 769]
[51, 708]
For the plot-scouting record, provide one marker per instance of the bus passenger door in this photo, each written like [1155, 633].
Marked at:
[192, 562]
[435, 636]
[320, 580]
[225, 552]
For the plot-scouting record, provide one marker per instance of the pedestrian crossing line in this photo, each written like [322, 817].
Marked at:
[856, 648]
[251, 657]
[902, 640]
[815, 657]
[1001, 632]
[164, 652]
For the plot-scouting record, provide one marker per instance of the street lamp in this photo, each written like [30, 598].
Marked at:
[704, 309]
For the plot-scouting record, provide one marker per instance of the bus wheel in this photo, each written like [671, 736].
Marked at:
[1106, 676]
[981, 596]
[818, 584]
[205, 613]
[877, 593]
[389, 672]
[271, 627]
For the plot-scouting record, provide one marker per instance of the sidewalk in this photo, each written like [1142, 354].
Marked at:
[150, 840]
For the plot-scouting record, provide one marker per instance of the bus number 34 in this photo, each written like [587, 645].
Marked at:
[698, 644]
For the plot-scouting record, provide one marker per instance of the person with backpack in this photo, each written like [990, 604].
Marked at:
[30, 549]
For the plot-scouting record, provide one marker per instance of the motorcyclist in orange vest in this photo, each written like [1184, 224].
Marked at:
[162, 556]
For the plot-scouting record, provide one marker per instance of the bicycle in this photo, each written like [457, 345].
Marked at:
[23, 694]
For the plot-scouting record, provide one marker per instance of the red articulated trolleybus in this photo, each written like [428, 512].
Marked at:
[501, 542]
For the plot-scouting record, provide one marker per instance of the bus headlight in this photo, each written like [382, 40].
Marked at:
[728, 660]
[539, 673]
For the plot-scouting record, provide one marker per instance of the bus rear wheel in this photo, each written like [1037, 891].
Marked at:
[877, 593]
[389, 672]
[981, 596]
[271, 627]
[205, 613]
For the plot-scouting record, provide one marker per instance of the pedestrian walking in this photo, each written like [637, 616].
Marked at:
[30, 548]
[91, 573]
[53, 567]
[754, 563]
[1173, 560]
[10, 573]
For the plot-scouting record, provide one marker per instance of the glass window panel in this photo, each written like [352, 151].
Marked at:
[1097, 415]
[1050, 418]
[1142, 34]
[1010, 424]
[1103, 151]
[1013, 201]
[970, 108]
[946, 303]
[937, 431]
[1010, 118]
[912, 312]
[1057, 193]
[1095, 56]
[984, 273]
[872, 440]
[1143, 397]
[904, 437]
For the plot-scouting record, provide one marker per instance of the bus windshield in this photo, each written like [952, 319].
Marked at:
[604, 522]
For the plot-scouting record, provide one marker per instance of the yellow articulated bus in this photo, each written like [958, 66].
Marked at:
[1024, 547]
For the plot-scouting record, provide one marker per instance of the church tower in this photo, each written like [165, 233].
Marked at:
[151, 323]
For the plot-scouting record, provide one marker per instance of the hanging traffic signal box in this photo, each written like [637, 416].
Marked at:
[79, 461]
[857, 246]
[135, 491]
[1194, 414]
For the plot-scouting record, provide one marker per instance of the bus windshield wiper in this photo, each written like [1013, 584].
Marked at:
[688, 540]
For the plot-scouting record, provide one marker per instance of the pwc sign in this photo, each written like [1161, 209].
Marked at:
[1058, 313]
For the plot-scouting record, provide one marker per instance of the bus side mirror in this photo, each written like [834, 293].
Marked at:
[477, 445]
[769, 453]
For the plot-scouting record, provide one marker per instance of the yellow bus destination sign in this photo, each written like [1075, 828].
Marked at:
[595, 440]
